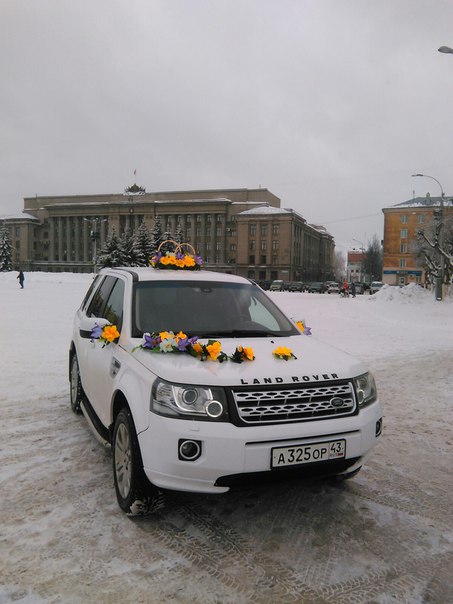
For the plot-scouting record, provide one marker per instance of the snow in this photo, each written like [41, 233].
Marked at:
[402, 334]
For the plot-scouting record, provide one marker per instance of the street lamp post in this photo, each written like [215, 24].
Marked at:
[440, 273]
[95, 236]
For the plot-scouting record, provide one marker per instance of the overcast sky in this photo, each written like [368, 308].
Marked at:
[330, 104]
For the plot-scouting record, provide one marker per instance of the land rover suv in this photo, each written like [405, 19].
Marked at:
[198, 381]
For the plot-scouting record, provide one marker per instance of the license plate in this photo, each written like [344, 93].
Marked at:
[299, 454]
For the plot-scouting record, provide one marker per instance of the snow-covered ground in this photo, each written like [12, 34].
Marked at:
[63, 539]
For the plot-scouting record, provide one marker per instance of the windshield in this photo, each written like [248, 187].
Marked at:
[207, 309]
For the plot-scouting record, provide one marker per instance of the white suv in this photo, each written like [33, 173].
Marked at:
[198, 380]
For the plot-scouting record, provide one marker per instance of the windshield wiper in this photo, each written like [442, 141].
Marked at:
[239, 333]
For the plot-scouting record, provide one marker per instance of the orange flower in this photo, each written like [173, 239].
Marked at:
[110, 333]
[249, 353]
[214, 350]
[180, 336]
[282, 352]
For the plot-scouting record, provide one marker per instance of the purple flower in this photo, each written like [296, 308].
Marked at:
[96, 332]
[307, 331]
[198, 260]
[182, 344]
[149, 341]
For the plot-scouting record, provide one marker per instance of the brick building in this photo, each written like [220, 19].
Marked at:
[401, 264]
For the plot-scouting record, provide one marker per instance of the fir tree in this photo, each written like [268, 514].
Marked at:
[179, 235]
[6, 251]
[110, 252]
[156, 235]
[127, 249]
[143, 245]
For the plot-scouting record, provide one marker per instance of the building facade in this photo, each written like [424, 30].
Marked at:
[66, 233]
[354, 267]
[402, 264]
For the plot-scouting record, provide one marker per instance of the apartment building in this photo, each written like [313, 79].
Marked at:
[235, 230]
[401, 264]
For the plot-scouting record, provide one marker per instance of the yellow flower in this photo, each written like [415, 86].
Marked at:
[214, 350]
[165, 260]
[300, 325]
[164, 335]
[283, 352]
[110, 333]
[188, 261]
[180, 336]
[197, 347]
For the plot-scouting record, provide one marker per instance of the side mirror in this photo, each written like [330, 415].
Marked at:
[87, 325]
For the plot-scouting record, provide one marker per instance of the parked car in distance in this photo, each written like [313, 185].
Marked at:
[276, 286]
[264, 285]
[317, 287]
[359, 289]
[296, 286]
[375, 286]
[333, 288]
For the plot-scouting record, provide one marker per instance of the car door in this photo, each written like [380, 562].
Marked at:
[100, 364]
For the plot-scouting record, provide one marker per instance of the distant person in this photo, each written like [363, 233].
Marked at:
[353, 289]
[21, 278]
[345, 289]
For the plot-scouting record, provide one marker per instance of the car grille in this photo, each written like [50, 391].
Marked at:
[295, 404]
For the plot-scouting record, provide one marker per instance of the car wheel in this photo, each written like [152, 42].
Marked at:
[135, 494]
[76, 393]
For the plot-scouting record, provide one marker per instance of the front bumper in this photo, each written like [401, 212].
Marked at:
[228, 450]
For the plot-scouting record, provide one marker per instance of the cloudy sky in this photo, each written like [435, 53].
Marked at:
[330, 104]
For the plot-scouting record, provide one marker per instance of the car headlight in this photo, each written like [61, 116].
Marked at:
[188, 401]
[365, 388]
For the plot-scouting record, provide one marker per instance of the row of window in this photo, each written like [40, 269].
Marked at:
[263, 229]
[263, 245]
[420, 218]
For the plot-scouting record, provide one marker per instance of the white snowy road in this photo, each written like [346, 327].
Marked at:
[386, 536]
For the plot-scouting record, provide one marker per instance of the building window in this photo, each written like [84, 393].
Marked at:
[421, 219]
[263, 230]
[403, 248]
[208, 218]
[198, 218]
[207, 246]
[403, 233]
[188, 219]
[251, 274]
[252, 244]
[274, 259]
[275, 229]
[232, 247]
[263, 246]
[275, 244]
[252, 259]
[263, 259]
[218, 231]
[404, 218]
[252, 229]
[218, 246]
[208, 231]
[198, 231]
[218, 217]
[402, 262]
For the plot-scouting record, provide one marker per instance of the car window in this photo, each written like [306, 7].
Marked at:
[206, 308]
[97, 303]
[92, 287]
[113, 310]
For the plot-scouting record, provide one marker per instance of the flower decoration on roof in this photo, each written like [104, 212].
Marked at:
[303, 327]
[107, 334]
[282, 352]
[177, 259]
[168, 341]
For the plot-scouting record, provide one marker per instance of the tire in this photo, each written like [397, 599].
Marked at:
[135, 494]
[76, 393]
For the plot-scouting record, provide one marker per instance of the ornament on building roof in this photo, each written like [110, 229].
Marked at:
[134, 190]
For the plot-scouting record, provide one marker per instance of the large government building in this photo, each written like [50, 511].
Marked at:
[242, 231]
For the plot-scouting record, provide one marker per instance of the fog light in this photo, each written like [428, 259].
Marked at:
[189, 450]
[379, 427]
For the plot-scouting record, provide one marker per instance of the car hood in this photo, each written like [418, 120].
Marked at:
[314, 362]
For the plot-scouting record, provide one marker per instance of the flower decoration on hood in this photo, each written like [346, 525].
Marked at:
[168, 341]
[282, 352]
[107, 334]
